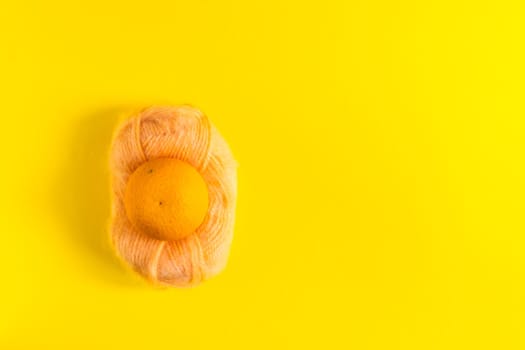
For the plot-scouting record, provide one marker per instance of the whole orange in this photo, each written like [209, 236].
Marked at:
[166, 198]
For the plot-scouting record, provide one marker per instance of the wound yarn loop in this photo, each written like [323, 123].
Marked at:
[183, 133]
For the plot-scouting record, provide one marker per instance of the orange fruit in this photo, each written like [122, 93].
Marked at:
[166, 198]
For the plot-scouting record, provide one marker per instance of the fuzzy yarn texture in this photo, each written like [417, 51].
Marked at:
[186, 134]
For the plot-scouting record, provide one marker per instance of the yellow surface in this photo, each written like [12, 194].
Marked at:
[381, 179]
[166, 198]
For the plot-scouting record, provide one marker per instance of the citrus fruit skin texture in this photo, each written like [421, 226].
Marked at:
[166, 199]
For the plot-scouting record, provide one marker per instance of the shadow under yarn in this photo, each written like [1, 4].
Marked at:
[84, 196]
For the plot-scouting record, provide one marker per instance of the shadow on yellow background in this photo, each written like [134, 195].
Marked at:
[83, 195]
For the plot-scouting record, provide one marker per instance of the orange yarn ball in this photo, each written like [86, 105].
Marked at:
[166, 198]
[174, 186]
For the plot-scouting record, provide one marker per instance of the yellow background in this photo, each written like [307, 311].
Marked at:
[381, 179]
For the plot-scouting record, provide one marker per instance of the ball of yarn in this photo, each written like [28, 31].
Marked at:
[174, 225]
